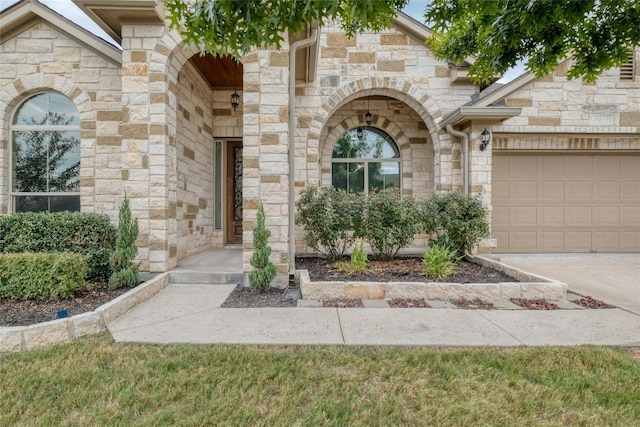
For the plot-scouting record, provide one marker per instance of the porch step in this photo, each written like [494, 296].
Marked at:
[207, 277]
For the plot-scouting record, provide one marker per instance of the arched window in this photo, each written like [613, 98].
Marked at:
[365, 159]
[45, 134]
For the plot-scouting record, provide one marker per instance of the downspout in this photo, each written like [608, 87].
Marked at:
[292, 143]
[465, 157]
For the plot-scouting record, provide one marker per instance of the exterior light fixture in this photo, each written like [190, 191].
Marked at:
[368, 117]
[235, 98]
[360, 134]
[485, 137]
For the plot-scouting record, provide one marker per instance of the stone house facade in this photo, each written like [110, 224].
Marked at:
[154, 120]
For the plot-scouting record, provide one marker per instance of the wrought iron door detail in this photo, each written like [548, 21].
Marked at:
[237, 183]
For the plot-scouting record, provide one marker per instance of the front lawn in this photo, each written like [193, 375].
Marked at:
[99, 382]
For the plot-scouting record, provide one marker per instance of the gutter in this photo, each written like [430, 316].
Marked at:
[465, 156]
[292, 143]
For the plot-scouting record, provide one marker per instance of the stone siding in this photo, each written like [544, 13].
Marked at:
[42, 59]
[194, 214]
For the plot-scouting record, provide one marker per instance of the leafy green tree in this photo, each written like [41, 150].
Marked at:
[597, 34]
[234, 27]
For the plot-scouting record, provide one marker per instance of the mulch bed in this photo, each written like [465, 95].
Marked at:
[22, 313]
[245, 297]
[343, 303]
[473, 304]
[592, 303]
[398, 270]
[534, 304]
[408, 303]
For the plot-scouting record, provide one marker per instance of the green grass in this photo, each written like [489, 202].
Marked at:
[99, 382]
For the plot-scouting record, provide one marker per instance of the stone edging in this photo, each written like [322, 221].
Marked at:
[530, 286]
[32, 337]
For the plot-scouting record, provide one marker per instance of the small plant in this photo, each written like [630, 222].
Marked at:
[455, 220]
[439, 261]
[358, 259]
[264, 270]
[125, 273]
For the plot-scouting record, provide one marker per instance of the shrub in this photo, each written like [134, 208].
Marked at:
[390, 222]
[125, 272]
[331, 218]
[41, 275]
[455, 220]
[83, 233]
[264, 270]
[439, 261]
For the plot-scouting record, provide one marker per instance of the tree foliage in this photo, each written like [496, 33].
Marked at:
[236, 26]
[597, 34]
[263, 269]
[125, 271]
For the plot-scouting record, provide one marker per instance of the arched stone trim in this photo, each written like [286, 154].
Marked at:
[400, 89]
[16, 92]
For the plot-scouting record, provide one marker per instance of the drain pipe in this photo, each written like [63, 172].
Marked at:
[465, 157]
[292, 143]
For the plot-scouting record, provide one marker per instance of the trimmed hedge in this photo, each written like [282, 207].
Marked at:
[41, 276]
[82, 233]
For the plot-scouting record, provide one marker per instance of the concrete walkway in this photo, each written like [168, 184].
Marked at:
[191, 313]
[613, 278]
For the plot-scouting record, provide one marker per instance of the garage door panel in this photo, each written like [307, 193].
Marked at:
[606, 166]
[630, 240]
[606, 190]
[606, 240]
[552, 190]
[500, 215]
[579, 216]
[523, 215]
[630, 216]
[524, 241]
[523, 166]
[551, 241]
[556, 202]
[630, 190]
[551, 215]
[578, 241]
[524, 190]
[579, 166]
[551, 166]
[579, 190]
[606, 215]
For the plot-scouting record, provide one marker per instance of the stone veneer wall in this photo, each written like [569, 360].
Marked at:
[195, 157]
[44, 59]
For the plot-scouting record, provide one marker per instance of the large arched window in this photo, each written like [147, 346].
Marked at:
[45, 134]
[365, 159]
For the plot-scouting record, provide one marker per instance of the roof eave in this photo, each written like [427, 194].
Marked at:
[462, 115]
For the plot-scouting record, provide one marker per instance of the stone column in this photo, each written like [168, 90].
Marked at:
[265, 148]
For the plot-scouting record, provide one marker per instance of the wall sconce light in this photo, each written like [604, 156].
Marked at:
[360, 134]
[485, 137]
[235, 98]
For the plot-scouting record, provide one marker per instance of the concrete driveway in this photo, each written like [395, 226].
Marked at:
[612, 278]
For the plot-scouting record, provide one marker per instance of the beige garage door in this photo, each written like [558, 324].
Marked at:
[566, 202]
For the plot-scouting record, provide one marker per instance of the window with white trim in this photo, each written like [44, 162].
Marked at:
[45, 148]
[365, 159]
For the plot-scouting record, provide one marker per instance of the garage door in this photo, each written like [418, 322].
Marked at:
[566, 202]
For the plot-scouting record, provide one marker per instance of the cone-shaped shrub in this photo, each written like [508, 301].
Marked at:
[264, 270]
[124, 271]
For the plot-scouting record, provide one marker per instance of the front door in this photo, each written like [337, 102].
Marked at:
[234, 192]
